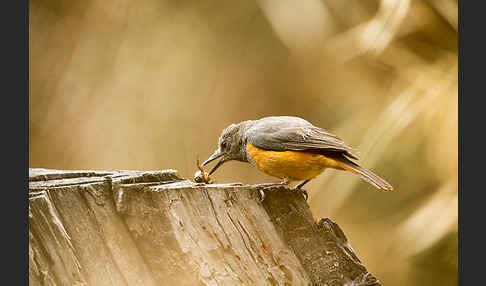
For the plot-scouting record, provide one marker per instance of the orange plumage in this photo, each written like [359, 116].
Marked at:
[293, 165]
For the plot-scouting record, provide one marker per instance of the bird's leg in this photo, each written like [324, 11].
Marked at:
[299, 188]
[261, 186]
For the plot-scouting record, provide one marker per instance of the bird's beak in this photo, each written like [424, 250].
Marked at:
[213, 157]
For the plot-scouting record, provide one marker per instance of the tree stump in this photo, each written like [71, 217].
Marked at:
[156, 228]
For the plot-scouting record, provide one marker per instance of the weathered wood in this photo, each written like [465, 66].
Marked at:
[155, 228]
[52, 257]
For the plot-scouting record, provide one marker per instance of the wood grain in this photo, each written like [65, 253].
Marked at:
[155, 228]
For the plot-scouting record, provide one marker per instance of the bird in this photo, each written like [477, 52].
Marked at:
[289, 148]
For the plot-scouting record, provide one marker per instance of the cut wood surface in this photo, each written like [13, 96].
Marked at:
[156, 228]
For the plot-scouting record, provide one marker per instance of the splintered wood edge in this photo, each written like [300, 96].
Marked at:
[40, 179]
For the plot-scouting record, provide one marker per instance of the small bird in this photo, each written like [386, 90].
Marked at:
[289, 148]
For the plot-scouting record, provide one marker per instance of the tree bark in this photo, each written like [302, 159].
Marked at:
[156, 228]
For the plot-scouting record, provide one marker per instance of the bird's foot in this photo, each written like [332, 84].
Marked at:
[262, 195]
[272, 184]
[302, 192]
[262, 186]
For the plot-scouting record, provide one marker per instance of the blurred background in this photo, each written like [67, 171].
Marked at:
[151, 84]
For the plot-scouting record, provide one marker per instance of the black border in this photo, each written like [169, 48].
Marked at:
[15, 140]
[471, 127]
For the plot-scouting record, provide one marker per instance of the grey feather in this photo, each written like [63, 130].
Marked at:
[284, 133]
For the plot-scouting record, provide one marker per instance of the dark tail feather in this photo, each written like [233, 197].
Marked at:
[366, 175]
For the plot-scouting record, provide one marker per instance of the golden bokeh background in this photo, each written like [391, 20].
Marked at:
[150, 85]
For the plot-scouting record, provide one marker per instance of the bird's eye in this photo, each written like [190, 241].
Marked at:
[224, 144]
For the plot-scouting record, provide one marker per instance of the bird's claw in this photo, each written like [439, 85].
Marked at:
[303, 192]
[261, 189]
[262, 195]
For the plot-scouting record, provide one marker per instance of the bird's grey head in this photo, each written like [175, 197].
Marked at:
[231, 146]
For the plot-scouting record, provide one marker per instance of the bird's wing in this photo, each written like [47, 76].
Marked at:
[283, 133]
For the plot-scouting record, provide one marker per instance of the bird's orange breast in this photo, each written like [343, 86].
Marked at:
[293, 165]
